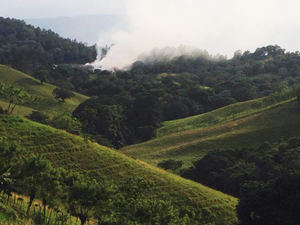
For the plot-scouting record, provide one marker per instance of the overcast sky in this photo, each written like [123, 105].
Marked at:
[219, 26]
[22, 9]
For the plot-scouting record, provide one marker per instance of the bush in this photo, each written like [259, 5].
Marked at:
[67, 123]
[39, 117]
[170, 164]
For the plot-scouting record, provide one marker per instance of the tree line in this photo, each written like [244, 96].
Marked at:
[265, 179]
[29, 49]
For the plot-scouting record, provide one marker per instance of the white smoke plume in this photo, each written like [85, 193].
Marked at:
[218, 26]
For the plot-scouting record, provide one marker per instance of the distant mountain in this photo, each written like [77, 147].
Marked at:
[85, 28]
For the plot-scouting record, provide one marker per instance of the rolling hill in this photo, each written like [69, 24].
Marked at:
[74, 153]
[246, 124]
[48, 103]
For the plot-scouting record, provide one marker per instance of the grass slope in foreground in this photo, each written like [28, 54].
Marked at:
[93, 160]
[48, 104]
[239, 125]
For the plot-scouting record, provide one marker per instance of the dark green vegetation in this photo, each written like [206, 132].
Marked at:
[247, 124]
[31, 49]
[148, 93]
[266, 179]
[145, 194]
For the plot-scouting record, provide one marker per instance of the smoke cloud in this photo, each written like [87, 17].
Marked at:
[220, 27]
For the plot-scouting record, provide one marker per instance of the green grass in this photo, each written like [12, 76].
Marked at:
[236, 126]
[33, 86]
[74, 153]
[222, 115]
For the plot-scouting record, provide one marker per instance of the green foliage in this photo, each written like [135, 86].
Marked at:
[266, 180]
[63, 94]
[39, 117]
[239, 125]
[38, 218]
[275, 202]
[170, 164]
[42, 75]
[15, 96]
[8, 158]
[227, 170]
[66, 122]
[7, 214]
[106, 120]
[28, 48]
[122, 181]
[40, 97]
[83, 199]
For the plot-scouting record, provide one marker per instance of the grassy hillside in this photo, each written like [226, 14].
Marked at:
[93, 160]
[223, 115]
[48, 103]
[239, 125]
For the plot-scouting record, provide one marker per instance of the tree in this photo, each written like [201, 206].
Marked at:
[106, 120]
[30, 176]
[50, 188]
[273, 203]
[39, 117]
[9, 162]
[63, 94]
[170, 164]
[66, 122]
[42, 75]
[82, 200]
[15, 97]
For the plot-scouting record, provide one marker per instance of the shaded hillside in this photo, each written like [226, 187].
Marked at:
[203, 205]
[220, 130]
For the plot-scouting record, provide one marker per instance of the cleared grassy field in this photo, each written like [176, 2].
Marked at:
[74, 153]
[240, 125]
[33, 86]
[222, 115]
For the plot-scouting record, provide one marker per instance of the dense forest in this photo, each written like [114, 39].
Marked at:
[30, 49]
[260, 177]
[145, 95]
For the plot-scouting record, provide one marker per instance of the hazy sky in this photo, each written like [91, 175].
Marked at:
[53, 8]
[219, 26]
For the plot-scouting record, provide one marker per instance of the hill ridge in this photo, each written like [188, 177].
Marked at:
[74, 153]
[267, 123]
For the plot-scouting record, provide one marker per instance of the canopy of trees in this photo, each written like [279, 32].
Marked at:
[29, 49]
[266, 180]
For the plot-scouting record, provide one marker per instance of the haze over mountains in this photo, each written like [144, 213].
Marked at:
[84, 28]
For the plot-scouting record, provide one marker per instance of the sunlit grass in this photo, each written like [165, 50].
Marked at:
[33, 86]
[98, 162]
[245, 124]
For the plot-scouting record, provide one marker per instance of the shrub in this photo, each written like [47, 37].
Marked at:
[39, 117]
[170, 164]
[67, 123]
